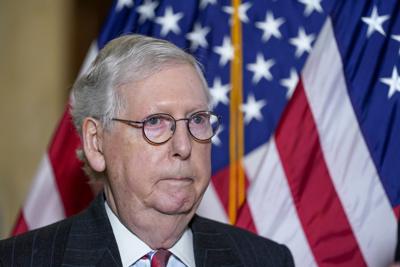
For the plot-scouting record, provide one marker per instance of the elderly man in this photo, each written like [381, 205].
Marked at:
[143, 113]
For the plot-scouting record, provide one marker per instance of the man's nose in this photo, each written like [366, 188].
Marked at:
[181, 141]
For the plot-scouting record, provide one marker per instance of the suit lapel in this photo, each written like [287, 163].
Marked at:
[212, 248]
[91, 241]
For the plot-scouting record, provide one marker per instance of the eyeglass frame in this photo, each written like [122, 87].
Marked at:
[134, 124]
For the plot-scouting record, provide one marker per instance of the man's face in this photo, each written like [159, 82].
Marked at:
[169, 178]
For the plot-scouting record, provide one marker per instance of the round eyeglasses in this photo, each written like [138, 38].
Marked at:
[159, 128]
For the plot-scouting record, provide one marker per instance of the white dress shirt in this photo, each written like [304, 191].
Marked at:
[132, 249]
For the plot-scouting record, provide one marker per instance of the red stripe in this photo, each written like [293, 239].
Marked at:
[71, 181]
[318, 206]
[245, 219]
[20, 226]
[397, 212]
[220, 181]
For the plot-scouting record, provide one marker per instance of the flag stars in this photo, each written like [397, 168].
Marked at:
[252, 109]
[219, 92]
[215, 139]
[169, 22]
[375, 22]
[270, 26]
[205, 3]
[225, 51]
[311, 6]
[147, 11]
[243, 8]
[396, 38]
[123, 3]
[261, 68]
[302, 42]
[198, 37]
[393, 82]
[290, 83]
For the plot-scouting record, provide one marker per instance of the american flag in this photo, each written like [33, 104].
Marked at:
[309, 149]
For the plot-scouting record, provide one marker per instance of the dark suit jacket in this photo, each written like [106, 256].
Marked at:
[87, 240]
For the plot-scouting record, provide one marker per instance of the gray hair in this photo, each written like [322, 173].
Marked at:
[127, 59]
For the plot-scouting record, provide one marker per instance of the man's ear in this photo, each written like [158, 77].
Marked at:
[92, 139]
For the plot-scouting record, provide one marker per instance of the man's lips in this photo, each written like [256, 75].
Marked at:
[183, 178]
[175, 176]
[177, 180]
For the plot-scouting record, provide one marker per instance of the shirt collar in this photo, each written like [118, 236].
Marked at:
[183, 249]
[126, 240]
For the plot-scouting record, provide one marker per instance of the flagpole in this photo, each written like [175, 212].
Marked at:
[236, 140]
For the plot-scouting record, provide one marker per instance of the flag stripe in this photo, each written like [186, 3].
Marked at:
[269, 197]
[307, 181]
[220, 183]
[44, 197]
[397, 213]
[20, 225]
[245, 218]
[70, 179]
[348, 159]
[211, 199]
[91, 55]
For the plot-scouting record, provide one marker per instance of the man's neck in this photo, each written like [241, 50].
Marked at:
[156, 229]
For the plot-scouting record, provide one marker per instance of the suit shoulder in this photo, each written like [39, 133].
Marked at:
[248, 244]
[232, 230]
[43, 243]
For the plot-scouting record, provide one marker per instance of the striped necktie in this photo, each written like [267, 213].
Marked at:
[160, 258]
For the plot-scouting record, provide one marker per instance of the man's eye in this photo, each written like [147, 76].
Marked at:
[154, 121]
[199, 119]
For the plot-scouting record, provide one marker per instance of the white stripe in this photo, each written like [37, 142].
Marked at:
[271, 203]
[348, 159]
[211, 207]
[90, 57]
[43, 205]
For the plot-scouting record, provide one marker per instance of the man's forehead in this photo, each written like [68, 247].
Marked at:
[173, 86]
[171, 106]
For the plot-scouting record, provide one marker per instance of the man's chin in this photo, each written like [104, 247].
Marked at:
[175, 208]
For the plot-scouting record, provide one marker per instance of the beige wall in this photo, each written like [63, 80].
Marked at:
[34, 86]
